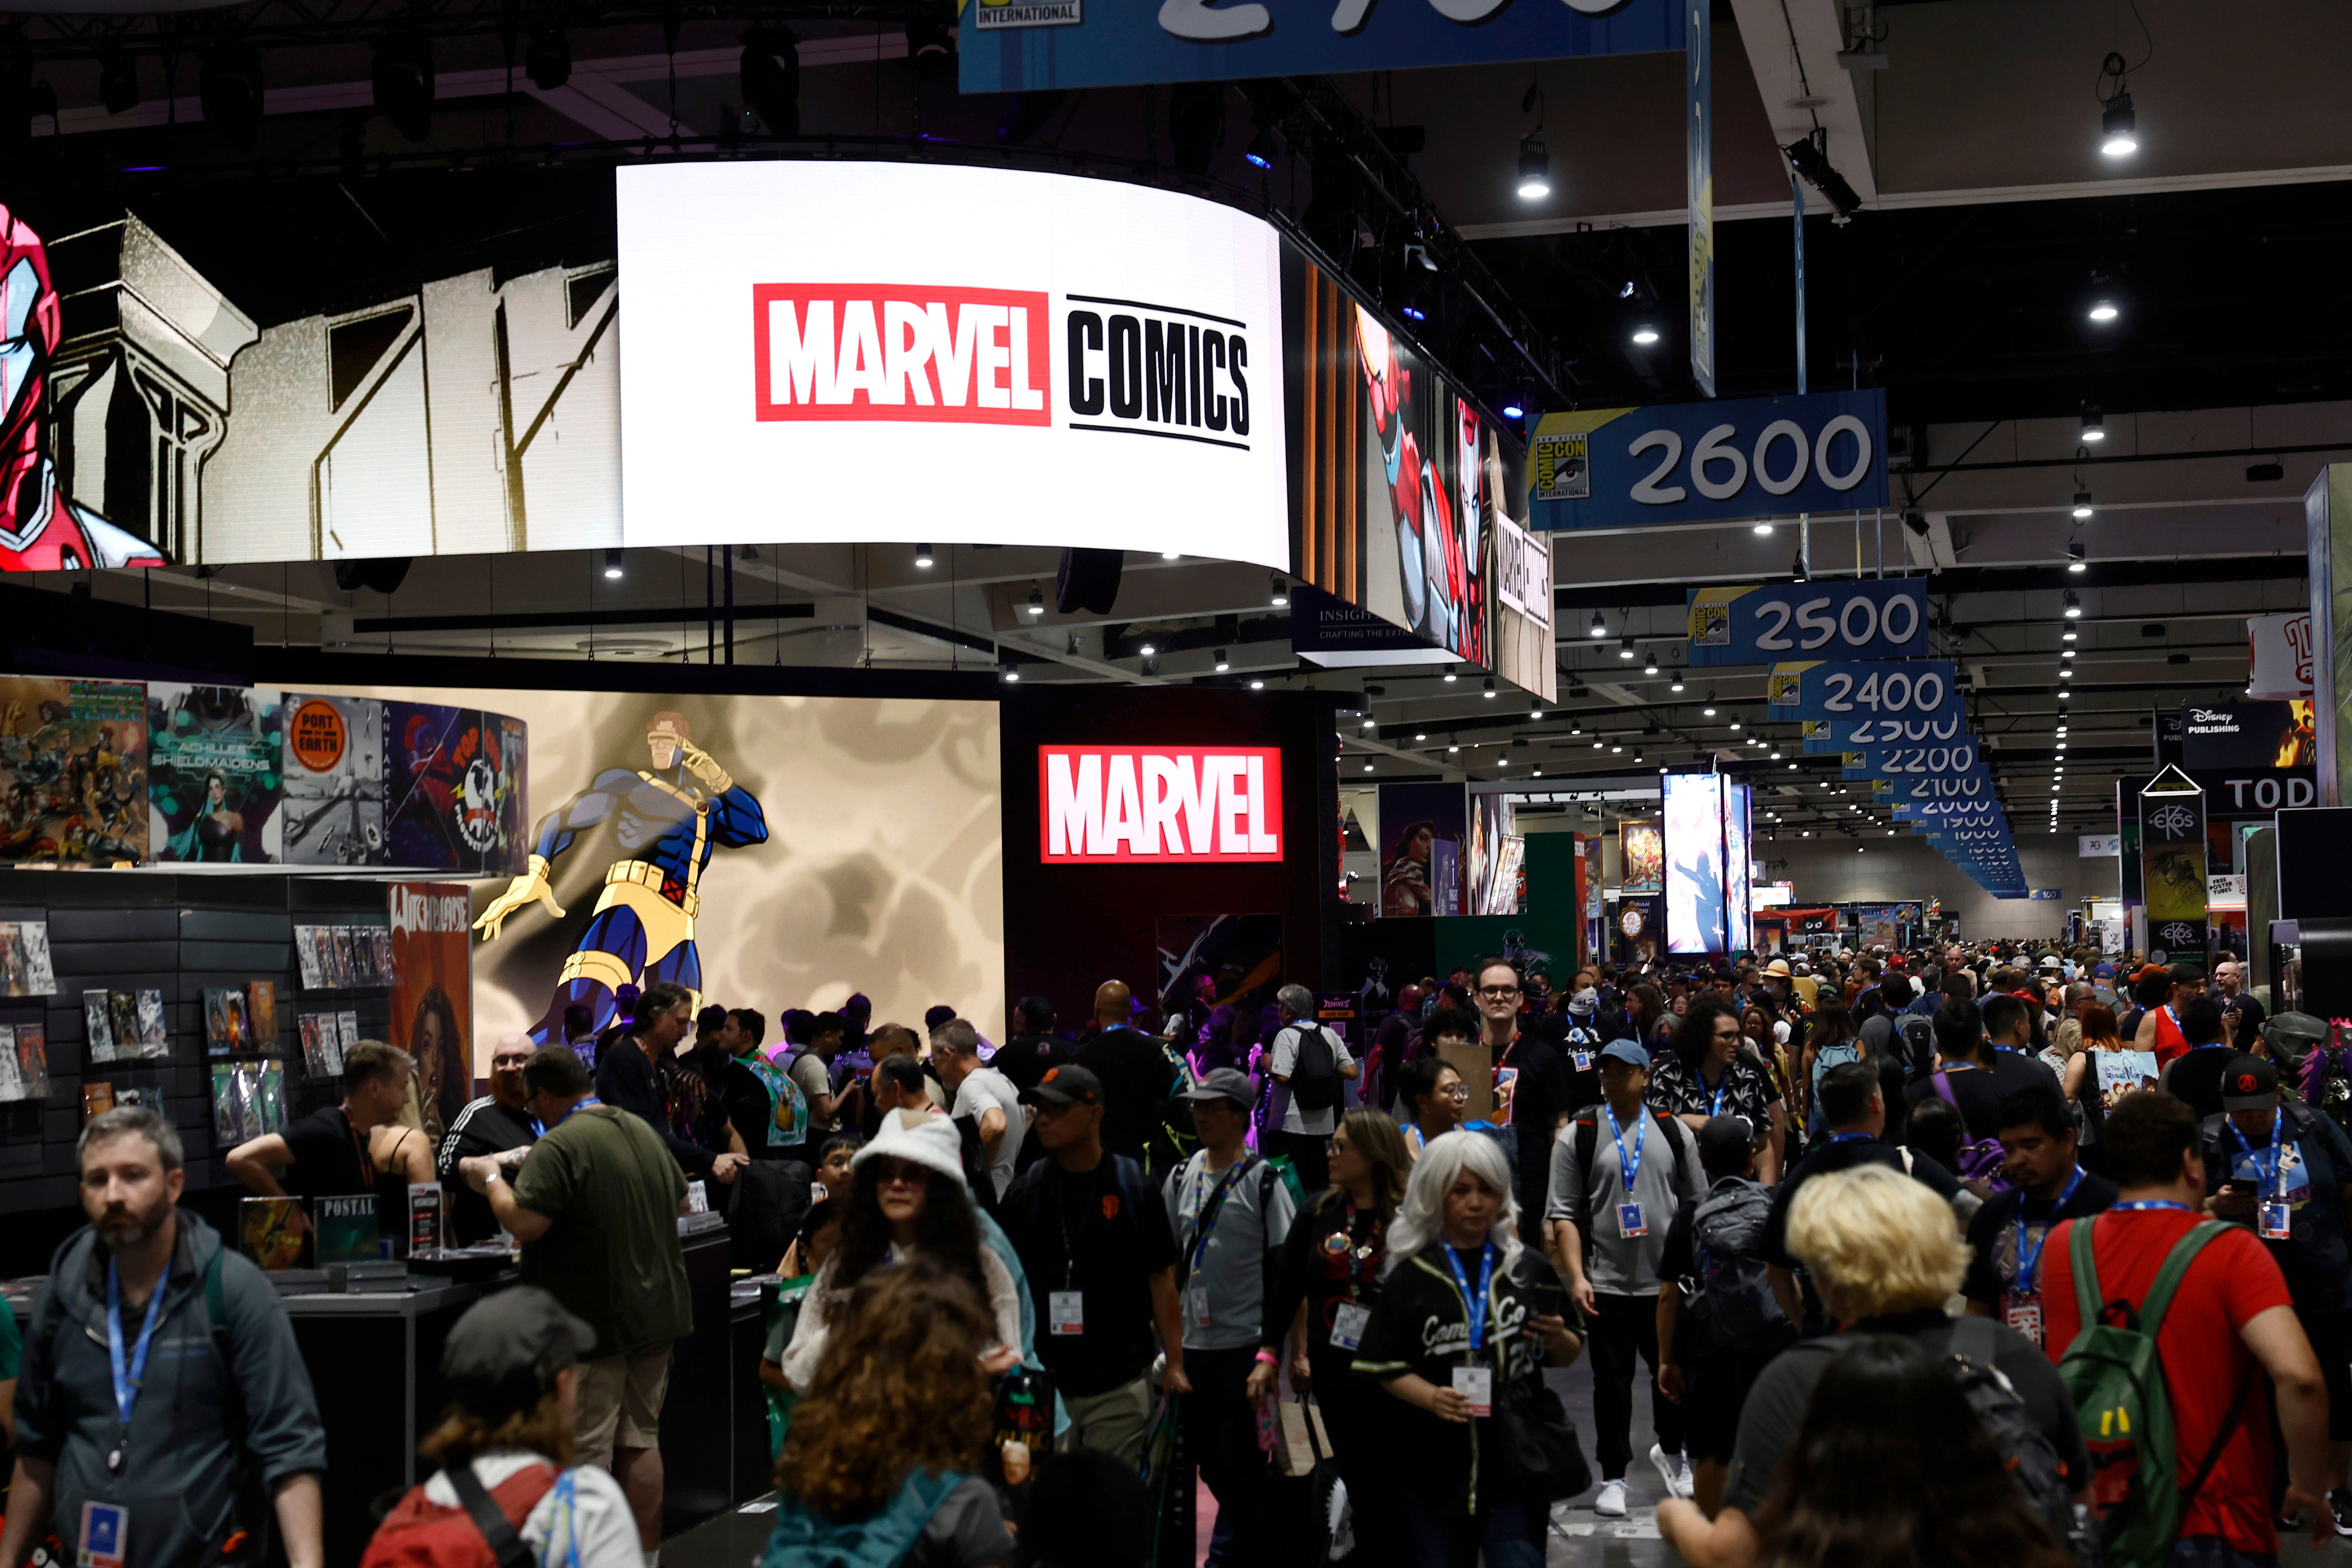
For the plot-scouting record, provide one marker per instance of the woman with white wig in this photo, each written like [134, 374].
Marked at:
[1467, 1322]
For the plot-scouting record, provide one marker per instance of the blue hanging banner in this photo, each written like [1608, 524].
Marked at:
[1849, 734]
[1019, 46]
[1910, 690]
[1721, 461]
[1960, 758]
[1867, 619]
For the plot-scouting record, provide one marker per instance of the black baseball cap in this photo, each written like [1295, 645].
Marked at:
[2248, 1083]
[1065, 1085]
[502, 1356]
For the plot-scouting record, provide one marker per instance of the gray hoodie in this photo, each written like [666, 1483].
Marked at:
[179, 1472]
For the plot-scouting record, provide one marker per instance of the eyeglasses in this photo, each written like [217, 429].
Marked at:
[892, 1173]
[1459, 1092]
[1498, 992]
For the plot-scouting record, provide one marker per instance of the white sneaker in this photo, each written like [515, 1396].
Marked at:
[1611, 1503]
[1686, 1478]
[1671, 1471]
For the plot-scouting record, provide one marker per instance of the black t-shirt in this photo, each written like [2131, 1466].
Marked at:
[2315, 1257]
[1136, 1077]
[1776, 1405]
[330, 1159]
[2250, 1014]
[748, 1109]
[1845, 1156]
[483, 1126]
[1327, 1258]
[1024, 1058]
[1539, 1098]
[625, 1079]
[2197, 1077]
[1992, 1234]
[1568, 1034]
[1103, 1234]
[1979, 1091]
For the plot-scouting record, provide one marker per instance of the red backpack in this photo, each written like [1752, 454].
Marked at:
[483, 1532]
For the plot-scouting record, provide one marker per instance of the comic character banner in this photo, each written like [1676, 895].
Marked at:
[73, 771]
[333, 771]
[454, 790]
[1882, 619]
[433, 994]
[1640, 857]
[1425, 834]
[214, 775]
[1695, 863]
[1025, 46]
[1719, 461]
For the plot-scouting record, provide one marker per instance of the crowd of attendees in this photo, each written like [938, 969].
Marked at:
[1960, 1254]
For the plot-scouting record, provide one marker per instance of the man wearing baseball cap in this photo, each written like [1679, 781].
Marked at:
[1094, 1244]
[1230, 1211]
[2280, 1166]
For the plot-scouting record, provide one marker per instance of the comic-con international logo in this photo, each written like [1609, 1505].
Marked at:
[477, 807]
[991, 14]
[1563, 467]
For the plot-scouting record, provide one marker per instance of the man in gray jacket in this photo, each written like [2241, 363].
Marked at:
[148, 1334]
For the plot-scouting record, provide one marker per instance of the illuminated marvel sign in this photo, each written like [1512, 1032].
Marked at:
[1158, 803]
[1075, 359]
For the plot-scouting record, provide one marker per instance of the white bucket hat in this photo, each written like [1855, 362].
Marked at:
[930, 1141]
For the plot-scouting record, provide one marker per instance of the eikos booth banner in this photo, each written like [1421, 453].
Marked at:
[1021, 46]
[912, 353]
[1718, 462]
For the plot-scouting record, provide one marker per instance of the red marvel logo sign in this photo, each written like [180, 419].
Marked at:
[1158, 803]
[886, 351]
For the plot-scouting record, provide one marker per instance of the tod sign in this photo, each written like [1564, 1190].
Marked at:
[824, 352]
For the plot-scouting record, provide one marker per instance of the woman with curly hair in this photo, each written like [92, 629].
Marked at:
[1892, 1469]
[883, 1461]
[444, 1071]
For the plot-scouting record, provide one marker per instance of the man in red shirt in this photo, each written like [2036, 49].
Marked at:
[2160, 1026]
[2232, 1311]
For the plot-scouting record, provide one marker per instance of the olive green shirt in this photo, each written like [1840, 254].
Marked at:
[612, 1254]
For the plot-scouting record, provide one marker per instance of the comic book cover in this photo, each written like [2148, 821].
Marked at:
[333, 811]
[225, 1123]
[2120, 1072]
[269, 1232]
[362, 956]
[261, 1014]
[123, 1016]
[386, 971]
[342, 965]
[97, 1026]
[214, 769]
[270, 1092]
[306, 956]
[453, 789]
[347, 1228]
[154, 1039]
[24, 967]
[306, 1028]
[224, 1020]
[96, 1100]
[347, 1035]
[12, 1078]
[73, 771]
[33, 1061]
[247, 1084]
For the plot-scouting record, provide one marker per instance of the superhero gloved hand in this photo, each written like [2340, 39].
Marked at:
[705, 767]
[531, 885]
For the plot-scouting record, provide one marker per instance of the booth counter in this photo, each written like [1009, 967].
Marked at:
[373, 1350]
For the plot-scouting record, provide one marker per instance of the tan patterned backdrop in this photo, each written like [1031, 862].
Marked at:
[883, 872]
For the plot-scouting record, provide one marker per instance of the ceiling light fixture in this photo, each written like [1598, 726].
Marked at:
[1535, 170]
[1036, 602]
[1223, 666]
[1709, 708]
[1148, 650]
[1277, 590]
[1171, 555]
[1011, 674]
[1513, 411]
[1676, 684]
[2082, 508]
[2068, 635]
[1649, 665]
[923, 557]
[1489, 692]
[1763, 528]
[613, 564]
[2074, 603]
[2103, 310]
[2119, 126]
[1645, 335]
[1599, 628]
[1625, 649]
[1257, 686]
[1452, 676]
[2075, 561]
[2092, 429]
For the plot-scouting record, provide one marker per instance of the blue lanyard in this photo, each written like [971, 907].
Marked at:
[578, 1105]
[2141, 1205]
[127, 1379]
[2030, 1263]
[1722, 1088]
[1476, 1307]
[1627, 1166]
[2270, 1168]
[1212, 1210]
[1851, 1137]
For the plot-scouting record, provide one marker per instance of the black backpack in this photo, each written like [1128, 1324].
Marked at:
[1315, 1076]
[1915, 1045]
[2025, 1449]
[1734, 1300]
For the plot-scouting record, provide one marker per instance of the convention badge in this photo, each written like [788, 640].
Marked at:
[1348, 1320]
[1629, 1223]
[697, 1198]
[2293, 1176]
[1476, 1384]
[1066, 1312]
[1583, 1060]
[1196, 1303]
[105, 1535]
[2278, 1220]
[2022, 1311]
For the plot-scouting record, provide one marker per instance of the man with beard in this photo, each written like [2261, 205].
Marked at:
[498, 1123]
[143, 1467]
